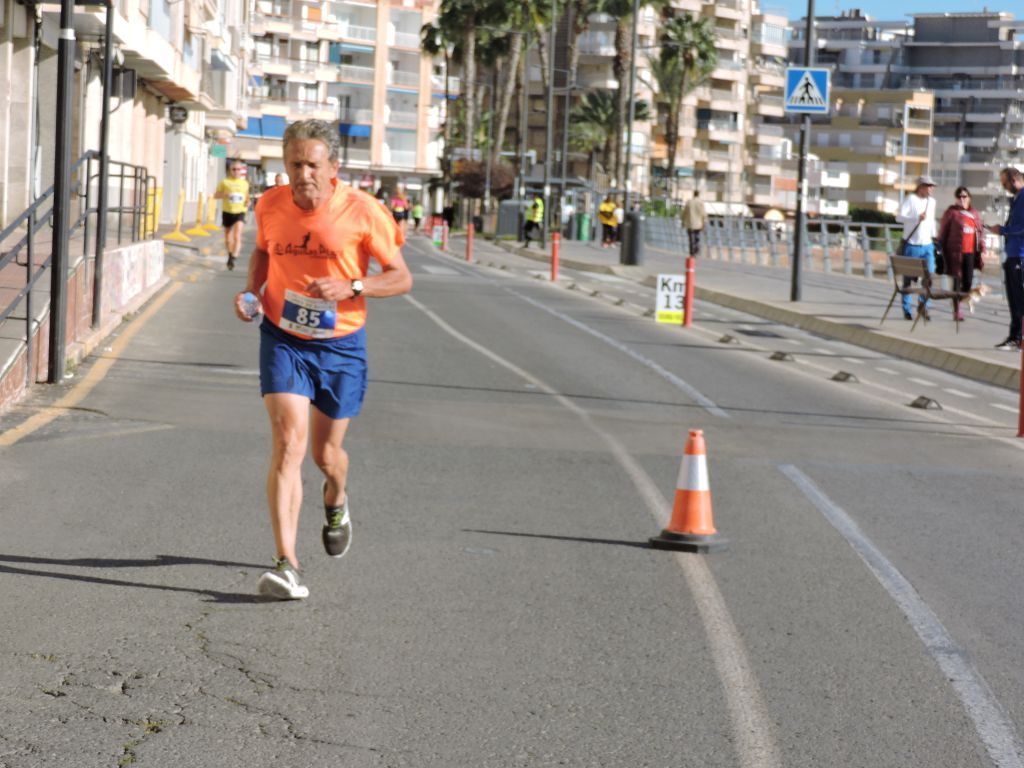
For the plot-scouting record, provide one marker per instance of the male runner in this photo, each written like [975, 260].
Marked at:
[314, 241]
[234, 194]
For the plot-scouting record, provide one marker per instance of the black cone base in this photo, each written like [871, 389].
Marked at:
[689, 542]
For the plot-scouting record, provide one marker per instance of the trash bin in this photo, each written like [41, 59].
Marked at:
[583, 227]
[631, 249]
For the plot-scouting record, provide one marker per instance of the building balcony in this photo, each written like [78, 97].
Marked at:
[353, 73]
[354, 156]
[834, 207]
[401, 39]
[403, 77]
[349, 31]
[323, 110]
[829, 179]
[401, 158]
[437, 85]
[402, 117]
[268, 23]
[361, 115]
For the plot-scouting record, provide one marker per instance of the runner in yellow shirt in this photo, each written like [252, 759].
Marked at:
[233, 192]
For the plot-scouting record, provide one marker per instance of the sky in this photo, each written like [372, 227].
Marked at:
[892, 11]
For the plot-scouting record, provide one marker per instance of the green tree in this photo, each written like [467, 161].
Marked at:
[594, 123]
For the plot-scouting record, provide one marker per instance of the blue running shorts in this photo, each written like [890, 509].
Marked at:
[330, 372]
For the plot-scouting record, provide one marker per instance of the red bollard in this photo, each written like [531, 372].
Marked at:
[469, 242]
[691, 268]
[556, 239]
[1020, 407]
[444, 237]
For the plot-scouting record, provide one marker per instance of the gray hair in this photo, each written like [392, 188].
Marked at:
[318, 130]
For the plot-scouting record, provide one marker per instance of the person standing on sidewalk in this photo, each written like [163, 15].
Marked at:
[314, 242]
[917, 214]
[233, 192]
[534, 218]
[1013, 237]
[693, 221]
[962, 240]
[606, 215]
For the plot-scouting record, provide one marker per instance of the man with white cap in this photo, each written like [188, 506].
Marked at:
[917, 215]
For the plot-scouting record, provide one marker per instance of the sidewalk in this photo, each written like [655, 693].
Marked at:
[837, 306]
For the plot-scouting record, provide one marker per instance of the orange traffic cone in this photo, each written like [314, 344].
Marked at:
[691, 528]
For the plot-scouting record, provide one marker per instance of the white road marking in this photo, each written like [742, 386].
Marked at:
[751, 724]
[854, 360]
[692, 392]
[821, 351]
[604, 278]
[923, 382]
[435, 270]
[995, 729]
[958, 393]
[795, 341]
[889, 371]
[1002, 407]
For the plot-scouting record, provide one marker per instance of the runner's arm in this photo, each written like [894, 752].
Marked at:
[258, 263]
[394, 280]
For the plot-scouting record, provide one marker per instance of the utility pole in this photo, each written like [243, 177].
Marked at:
[632, 105]
[549, 146]
[101, 204]
[61, 193]
[801, 191]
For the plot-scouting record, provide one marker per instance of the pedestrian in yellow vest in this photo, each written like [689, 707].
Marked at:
[233, 192]
[534, 218]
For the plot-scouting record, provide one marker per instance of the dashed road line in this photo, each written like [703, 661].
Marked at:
[958, 393]
[922, 382]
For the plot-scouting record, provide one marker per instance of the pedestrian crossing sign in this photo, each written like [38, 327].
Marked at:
[807, 90]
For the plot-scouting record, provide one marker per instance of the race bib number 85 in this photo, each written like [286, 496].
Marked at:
[306, 316]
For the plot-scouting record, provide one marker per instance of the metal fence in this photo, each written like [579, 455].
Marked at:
[27, 240]
[849, 247]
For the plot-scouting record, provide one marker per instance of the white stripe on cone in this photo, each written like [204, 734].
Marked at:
[693, 474]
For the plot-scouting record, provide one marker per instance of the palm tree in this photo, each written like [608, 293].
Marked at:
[595, 124]
[688, 56]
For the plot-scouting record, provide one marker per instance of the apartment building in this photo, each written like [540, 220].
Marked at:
[358, 63]
[725, 148]
[166, 54]
[970, 64]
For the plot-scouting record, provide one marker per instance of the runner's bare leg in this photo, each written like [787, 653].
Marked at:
[328, 454]
[289, 424]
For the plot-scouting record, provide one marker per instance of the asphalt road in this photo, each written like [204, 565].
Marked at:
[500, 607]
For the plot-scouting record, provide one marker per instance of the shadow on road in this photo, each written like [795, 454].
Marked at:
[582, 539]
[212, 595]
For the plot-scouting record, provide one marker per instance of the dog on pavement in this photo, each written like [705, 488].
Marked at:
[976, 295]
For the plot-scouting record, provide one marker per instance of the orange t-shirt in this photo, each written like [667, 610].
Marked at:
[336, 240]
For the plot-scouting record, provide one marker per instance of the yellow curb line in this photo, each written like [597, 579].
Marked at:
[81, 390]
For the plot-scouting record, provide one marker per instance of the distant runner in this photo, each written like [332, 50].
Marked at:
[233, 192]
[314, 241]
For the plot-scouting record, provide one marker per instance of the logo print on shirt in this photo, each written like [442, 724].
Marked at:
[303, 249]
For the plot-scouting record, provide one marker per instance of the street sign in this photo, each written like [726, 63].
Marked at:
[669, 299]
[806, 90]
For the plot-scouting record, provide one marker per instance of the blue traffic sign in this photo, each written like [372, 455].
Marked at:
[806, 90]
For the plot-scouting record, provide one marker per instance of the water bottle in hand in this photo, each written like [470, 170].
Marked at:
[250, 305]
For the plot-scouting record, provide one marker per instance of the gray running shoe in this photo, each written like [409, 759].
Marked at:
[282, 582]
[337, 532]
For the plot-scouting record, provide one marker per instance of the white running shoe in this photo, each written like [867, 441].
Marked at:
[283, 583]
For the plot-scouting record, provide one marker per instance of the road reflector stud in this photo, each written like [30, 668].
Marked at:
[845, 376]
[692, 528]
[785, 356]
[727, 339]
[926, 403]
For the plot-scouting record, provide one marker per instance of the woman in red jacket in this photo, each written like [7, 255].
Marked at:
[962, 239]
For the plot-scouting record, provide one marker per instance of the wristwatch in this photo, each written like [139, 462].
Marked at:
[357, 288]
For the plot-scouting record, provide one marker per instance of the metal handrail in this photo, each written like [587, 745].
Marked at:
[130, 204]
